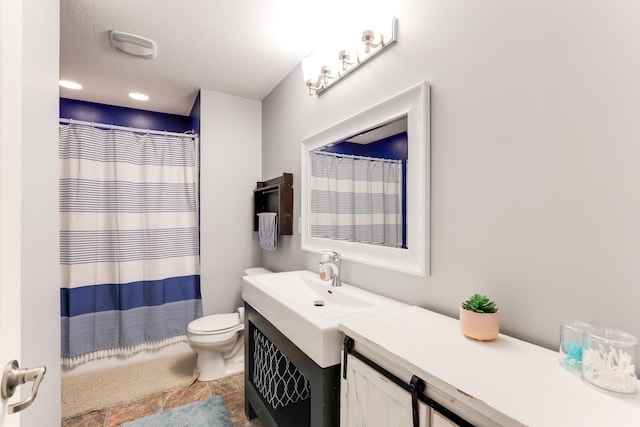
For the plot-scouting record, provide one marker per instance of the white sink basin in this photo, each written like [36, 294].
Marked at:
[307, 310]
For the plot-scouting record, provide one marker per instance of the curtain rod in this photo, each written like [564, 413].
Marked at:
[144, 131]
[353, 156]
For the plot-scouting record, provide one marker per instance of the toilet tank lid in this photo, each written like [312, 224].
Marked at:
[215, 322]
[256, 270]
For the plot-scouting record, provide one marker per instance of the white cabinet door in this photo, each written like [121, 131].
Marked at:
[438, 420]
[368, 399]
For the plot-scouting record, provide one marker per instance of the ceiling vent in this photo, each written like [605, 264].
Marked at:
[133, 45]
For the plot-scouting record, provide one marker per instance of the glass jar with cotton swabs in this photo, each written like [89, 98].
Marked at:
[609, 359]
[571, 345]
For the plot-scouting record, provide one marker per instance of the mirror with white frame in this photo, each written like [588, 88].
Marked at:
[411, 254]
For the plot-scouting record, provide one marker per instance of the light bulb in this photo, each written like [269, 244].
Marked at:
[70, 85]
[139, 96]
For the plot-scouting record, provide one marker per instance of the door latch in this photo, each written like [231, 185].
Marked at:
[13, 377]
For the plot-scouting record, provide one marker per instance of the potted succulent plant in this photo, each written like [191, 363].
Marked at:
[479, 318]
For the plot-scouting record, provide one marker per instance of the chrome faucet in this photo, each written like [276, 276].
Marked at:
[332, 260]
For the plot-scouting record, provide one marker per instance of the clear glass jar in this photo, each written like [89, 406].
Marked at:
[609, 359]
[570, 352]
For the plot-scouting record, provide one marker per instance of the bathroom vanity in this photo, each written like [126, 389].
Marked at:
[293, 345]
[413, 367]
[283, 386]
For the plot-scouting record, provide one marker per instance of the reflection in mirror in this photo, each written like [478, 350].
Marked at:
[358, 187]
[363, 211]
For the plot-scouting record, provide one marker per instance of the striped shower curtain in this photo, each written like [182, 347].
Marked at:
[358, 199]
[129, 243]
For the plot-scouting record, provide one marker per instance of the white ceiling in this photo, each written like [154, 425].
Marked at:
[239, 47]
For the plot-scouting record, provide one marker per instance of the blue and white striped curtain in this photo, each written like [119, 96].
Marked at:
[358, 199]
[129, 243]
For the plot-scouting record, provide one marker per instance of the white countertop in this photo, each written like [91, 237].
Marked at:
[516, 378]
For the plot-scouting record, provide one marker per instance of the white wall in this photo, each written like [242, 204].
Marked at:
[535, 157]
[230, 137]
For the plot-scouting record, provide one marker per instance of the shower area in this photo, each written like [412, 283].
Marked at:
[129, 240]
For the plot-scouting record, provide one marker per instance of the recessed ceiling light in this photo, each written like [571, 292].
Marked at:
[139, 96]
[70, 85]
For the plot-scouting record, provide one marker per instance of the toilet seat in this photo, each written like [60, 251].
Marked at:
[215, 324]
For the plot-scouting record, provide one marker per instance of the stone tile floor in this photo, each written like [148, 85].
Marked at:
[230, 388]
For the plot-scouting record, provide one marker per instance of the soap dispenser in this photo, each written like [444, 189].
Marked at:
[325, 271]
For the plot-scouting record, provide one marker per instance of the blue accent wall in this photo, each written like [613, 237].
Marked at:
[394, 147]
[195, 115]
[123, 116]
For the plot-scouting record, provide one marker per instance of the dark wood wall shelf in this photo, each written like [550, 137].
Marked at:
[275, 195]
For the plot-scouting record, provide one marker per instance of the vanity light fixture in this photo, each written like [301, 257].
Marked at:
[320, 75]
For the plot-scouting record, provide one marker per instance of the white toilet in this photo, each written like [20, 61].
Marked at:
[216, 336]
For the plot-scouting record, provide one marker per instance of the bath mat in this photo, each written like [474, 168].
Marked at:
[100, 390]
[204, 413]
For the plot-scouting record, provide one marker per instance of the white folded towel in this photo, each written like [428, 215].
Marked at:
[268, 230]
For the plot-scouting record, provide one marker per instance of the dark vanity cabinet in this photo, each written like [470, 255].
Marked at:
[283, 386]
